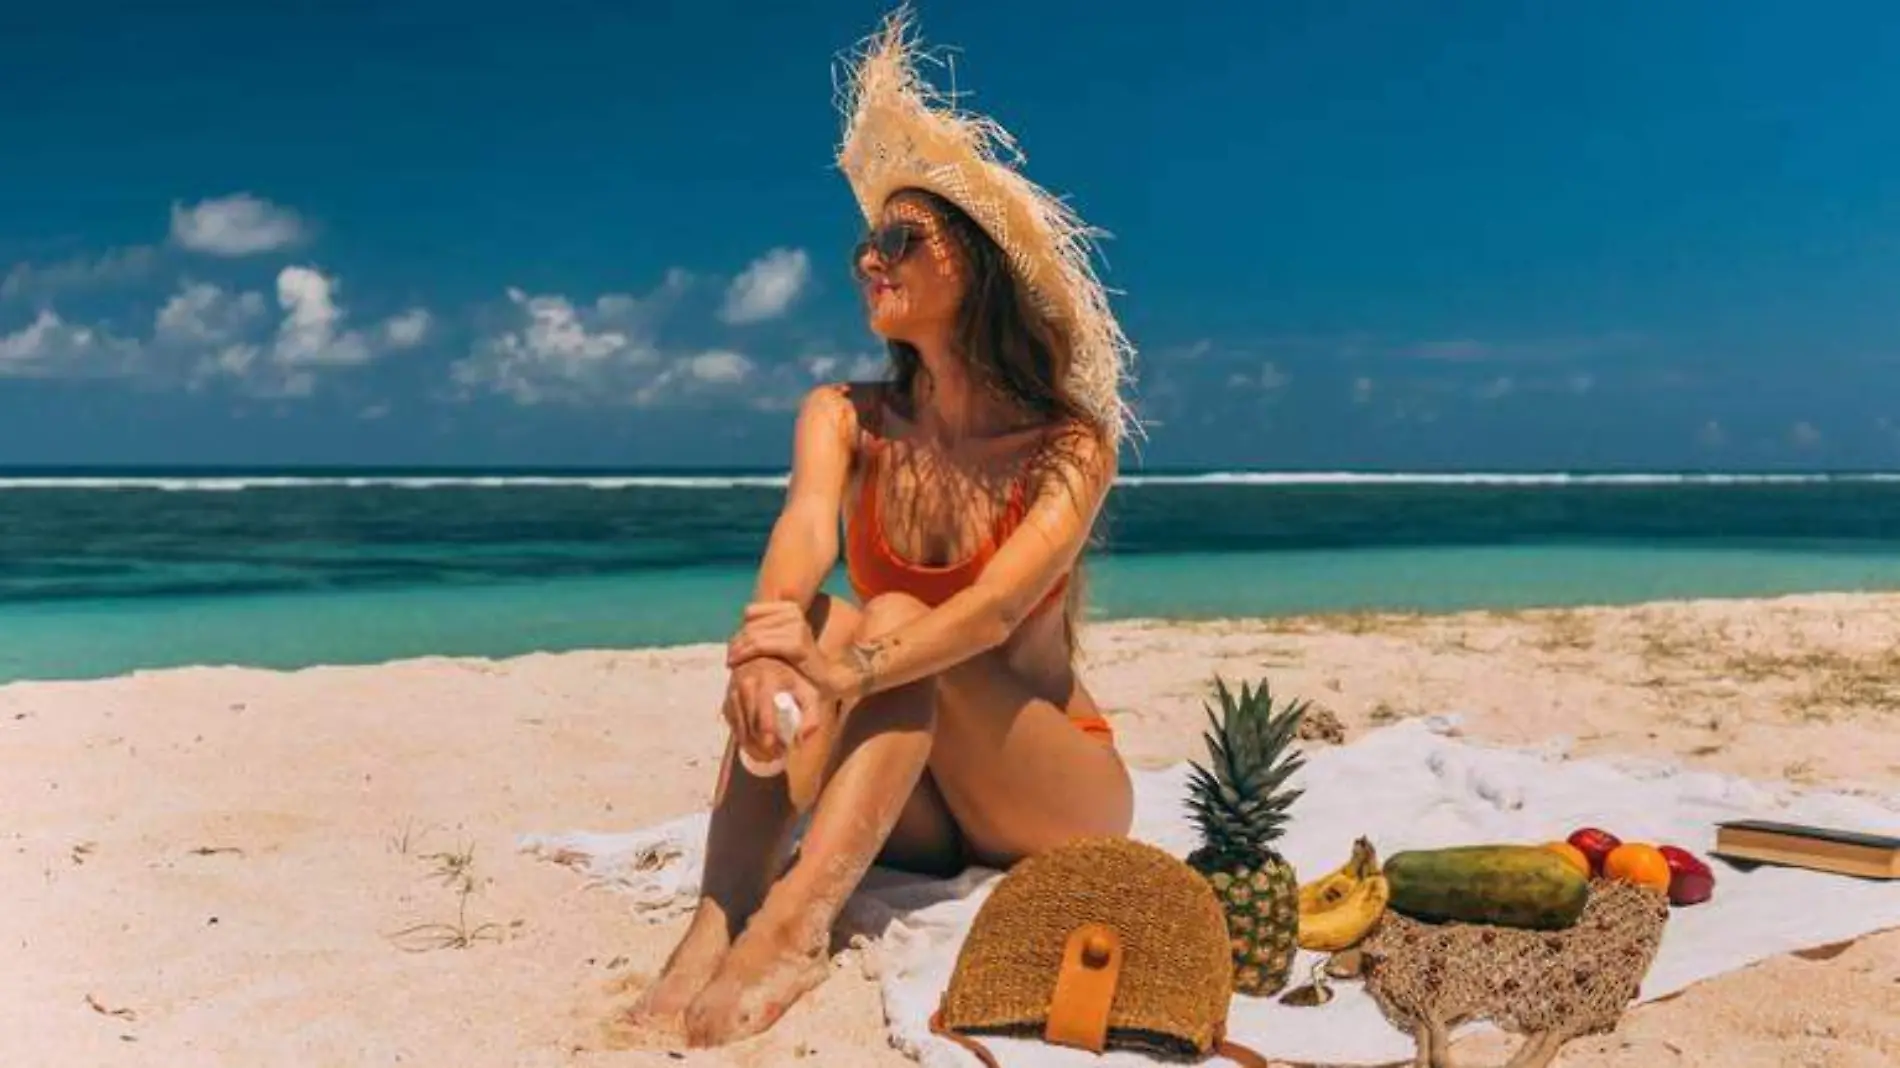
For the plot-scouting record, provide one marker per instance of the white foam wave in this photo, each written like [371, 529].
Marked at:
[1497, 478]
[218, 484]
[233, 483]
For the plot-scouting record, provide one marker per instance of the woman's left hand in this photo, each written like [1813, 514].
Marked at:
[779, 629]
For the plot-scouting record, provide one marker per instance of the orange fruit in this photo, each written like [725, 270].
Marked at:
[1639, 864]
[1573, 855]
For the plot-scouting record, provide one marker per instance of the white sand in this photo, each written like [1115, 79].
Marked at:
[217, 857]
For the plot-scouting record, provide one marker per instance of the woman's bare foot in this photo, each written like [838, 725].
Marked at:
[691, 966]
[769, 968]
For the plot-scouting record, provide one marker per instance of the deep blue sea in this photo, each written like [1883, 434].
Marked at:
[105, 572]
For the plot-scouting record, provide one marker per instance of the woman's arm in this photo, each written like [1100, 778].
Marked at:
[978, 618]
[803, 546]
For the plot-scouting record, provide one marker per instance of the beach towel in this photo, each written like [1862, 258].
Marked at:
[1412, 785]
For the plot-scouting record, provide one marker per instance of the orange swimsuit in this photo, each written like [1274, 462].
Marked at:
[874, 568]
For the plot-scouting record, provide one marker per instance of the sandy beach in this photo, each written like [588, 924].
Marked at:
[220, 866]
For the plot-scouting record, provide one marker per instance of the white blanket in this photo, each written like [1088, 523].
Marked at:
[1411, 785]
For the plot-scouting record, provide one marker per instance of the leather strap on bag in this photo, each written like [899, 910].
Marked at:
[971, 1044]
[1084, 993]
[1085, 989]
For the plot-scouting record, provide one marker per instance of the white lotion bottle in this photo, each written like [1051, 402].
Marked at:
[787, 721]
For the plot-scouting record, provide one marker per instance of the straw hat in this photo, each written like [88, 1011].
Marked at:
[1098, 943]
[900, 132]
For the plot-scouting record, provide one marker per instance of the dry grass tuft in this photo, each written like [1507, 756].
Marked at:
[455, 869]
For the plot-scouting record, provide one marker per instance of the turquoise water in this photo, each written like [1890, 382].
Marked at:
[92, 638]
[104, 573]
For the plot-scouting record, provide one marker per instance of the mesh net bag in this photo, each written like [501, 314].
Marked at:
[1549, 986]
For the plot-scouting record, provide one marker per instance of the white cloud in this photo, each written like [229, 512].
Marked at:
[235, 225]
[205, 333]
[1362, 390]
[556, 355]
[1712, 435]
[406, 331]
[862, 367]
[203, 314]
[114, 267]
[767, 287]
[311, 333]
[50, 347]
[1268, 379]
[715, 372]
[1804, 435]
[557, 351]
[718, 367]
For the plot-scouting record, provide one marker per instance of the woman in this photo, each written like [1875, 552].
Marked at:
[942, 706]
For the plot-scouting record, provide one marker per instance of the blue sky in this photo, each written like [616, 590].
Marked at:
[1379, 235]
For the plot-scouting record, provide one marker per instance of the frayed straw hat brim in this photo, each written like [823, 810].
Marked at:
[901, 133]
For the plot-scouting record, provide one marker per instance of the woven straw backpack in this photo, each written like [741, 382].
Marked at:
[1099, 943]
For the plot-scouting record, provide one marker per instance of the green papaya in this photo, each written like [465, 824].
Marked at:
[1504, 885]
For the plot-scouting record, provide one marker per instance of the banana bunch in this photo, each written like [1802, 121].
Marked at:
[1340, 908]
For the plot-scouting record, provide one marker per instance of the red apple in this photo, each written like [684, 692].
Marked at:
[1595, 844]
[1690, 881]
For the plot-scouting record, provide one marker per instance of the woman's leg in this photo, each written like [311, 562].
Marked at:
[875, 803]
[1016, 774]
[975, 759]
[745, 845]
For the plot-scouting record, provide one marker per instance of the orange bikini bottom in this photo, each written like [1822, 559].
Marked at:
[1094, 727]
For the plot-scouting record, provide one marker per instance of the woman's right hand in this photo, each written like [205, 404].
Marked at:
[749, 710]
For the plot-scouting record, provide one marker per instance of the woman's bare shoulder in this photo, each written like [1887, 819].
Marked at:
[1070, 455]
[854, 408]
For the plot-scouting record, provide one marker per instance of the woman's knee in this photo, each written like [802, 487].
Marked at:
[886, 612]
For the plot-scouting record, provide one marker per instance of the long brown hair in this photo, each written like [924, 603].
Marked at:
[1012, 353]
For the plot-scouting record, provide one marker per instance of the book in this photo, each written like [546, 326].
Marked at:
[1871, 856]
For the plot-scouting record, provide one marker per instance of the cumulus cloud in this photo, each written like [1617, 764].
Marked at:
[204, 314]
[51, 347]
[312, 332]
[406, 331]
[555, 350]
[767, 287]
[115, 267]
[1804, 435]
[205, 333]
[858, 368]
[715, 372]
[235, 225]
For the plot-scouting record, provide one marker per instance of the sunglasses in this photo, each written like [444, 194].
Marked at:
[892, 242]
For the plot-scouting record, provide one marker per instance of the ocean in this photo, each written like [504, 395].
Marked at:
[106, 572]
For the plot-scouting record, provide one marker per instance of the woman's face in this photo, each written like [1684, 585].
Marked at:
[910, 274]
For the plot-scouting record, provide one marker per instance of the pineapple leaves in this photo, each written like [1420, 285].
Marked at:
[1239, 798]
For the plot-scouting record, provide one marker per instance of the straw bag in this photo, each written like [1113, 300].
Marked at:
[1100, 943]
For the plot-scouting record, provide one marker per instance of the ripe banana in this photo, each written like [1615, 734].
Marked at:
[1345, 924]
[1341, 907]
[1330, 889]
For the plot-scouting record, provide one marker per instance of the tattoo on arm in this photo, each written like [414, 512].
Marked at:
[867, 659]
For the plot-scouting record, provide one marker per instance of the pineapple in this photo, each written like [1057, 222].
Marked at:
[1241, 806]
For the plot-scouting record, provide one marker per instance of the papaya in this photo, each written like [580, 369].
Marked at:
[1504, 885]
